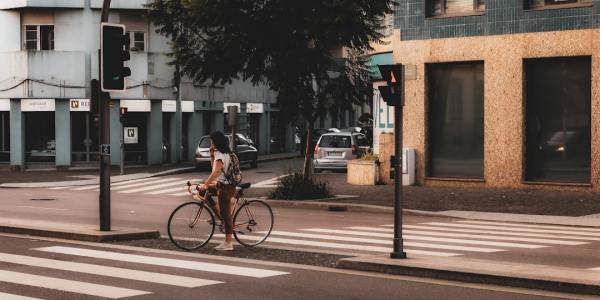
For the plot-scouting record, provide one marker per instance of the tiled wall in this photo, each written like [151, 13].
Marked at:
[501, 17]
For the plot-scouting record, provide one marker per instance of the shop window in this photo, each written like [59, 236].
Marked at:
[541, 4]
[84, 138]
[4, 136]
[455, 137]
[455, 7]
[558, 119]
[40, 141]
[39, 37]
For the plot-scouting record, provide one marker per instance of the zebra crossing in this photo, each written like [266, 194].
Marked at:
[84, 288]
[146, 186]
[444, 239]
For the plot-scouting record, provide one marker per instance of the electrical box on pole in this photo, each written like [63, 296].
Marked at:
[114, 52]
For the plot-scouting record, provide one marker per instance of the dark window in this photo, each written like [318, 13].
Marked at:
[456, 120]
[4, 136]
[137, 40]
[455, 7]
[335, 141]
[558, 118]
[39, 37]
[204, 143]
[532, 4]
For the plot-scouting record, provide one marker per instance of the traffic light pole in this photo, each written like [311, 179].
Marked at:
[398, 251]
[104, 110]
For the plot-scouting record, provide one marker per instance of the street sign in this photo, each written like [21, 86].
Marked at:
[105, 149]
[130, 135]
[232, 115]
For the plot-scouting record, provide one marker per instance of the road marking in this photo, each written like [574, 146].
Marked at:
[421, 232]
[406, 237]
[126, 182]
[514, 229]
[38, 207]
[60, 187]
[89, 187]
[346, 246]
[533, 226]
[269, 183]
[5, 296]
[167, 191]
[79, 287]
[148, 184]
[181, 194]
[594, 269]
[165, 262]
[160, 278]
[154, 187]
[496, 232]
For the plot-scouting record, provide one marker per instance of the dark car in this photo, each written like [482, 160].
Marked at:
[245, 151]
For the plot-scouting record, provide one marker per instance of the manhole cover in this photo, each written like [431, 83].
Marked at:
[264, 172]
[42, 199]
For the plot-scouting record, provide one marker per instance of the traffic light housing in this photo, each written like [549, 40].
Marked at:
[114, 52]
[392, 92]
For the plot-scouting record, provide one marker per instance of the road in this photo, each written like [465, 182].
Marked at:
[51, 269]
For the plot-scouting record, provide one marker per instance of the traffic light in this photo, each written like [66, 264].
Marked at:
[392, 92]
[122, 114]
[114, 52]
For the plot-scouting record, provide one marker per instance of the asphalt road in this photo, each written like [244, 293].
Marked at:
[50, 269]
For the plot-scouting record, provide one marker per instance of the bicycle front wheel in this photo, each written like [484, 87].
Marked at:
[253, 223]
[191, 225]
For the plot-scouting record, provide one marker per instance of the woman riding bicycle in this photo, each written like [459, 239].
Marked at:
[218, 184]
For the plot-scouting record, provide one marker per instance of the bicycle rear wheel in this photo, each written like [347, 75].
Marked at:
[191, 225]
[253, 223]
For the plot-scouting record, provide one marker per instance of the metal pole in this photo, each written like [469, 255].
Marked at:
[104, 110]
[398, 242]
[178, 126]
[122, 162]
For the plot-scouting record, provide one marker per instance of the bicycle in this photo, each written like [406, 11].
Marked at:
[192, 224]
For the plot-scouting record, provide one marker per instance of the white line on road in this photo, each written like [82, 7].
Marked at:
[180, 194]
[160, 278]
[79, 287]
[408, 237]
[5, 296]
[447, 234]
[89, 187]
[154, 187]
[177, 189]
[573, 228]
[38, 207]
[515, 229]
[346, 246]
[60, 187]
[149, 183]
[165, 262]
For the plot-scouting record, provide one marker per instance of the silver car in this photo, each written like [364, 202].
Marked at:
[245, 151]
[334, 150]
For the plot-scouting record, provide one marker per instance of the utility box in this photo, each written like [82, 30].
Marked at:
[386, 155]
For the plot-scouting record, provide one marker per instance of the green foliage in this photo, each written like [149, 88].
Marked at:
[294, 187]
[369, 155]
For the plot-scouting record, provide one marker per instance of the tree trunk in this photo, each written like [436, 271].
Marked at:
[308, 151]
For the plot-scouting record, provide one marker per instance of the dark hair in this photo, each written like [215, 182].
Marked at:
[221, 142]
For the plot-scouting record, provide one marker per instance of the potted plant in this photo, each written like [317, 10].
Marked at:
[364, 171]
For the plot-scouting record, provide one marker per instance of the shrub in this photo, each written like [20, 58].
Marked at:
[294, 187]
[368, 155]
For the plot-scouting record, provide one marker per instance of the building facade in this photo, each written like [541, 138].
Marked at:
[500, 93]
[48, 54]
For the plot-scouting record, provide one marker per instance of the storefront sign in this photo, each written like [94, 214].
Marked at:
[187, 106]
[4, 104]
[171, 106]
[251, 108]
[130, 135]
[136, 105]
[37, 105]
[79, 105]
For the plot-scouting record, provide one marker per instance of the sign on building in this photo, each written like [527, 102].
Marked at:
[130, 135]
[79, 105]
[38, 105]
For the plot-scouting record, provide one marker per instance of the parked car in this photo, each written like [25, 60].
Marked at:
[334, 150]
[245, 151]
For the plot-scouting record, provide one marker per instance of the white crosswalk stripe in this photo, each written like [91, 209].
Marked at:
[65, 285]
[551, 231]
[569, 228]
[151, 187]
[5, 296]
[167, 191]
[165, 262]
[145, 184]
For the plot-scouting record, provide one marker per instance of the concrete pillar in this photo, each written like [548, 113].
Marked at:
[62, 128]
[242, 125]
[267, 116]
[154, 136]
[115, 133]
[173, 145]
[17, 136]
[263, 133]
[219, 121]
[195, 132]
[289, 137]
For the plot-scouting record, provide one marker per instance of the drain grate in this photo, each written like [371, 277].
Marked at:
[42, 199]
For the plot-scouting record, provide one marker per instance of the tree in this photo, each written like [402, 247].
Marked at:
[285, 44]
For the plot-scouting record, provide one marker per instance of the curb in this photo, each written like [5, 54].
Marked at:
[268, 159]
[91, 236]
[495, 276]
[331, 206]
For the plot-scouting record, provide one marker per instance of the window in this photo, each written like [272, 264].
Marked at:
[137, 41]
[335, 141]
[455, 139]
[39, 37]
[533, 4]
[455, 7]
[558, 119]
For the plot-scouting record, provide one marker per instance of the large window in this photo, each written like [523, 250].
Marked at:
[455, 120]
[455, 7]
[558, 116]
[38, 37]
[538, 4]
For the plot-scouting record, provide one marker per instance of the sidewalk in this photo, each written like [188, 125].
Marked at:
[45, 178]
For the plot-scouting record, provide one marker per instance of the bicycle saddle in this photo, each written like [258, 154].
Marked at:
[244, 186]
